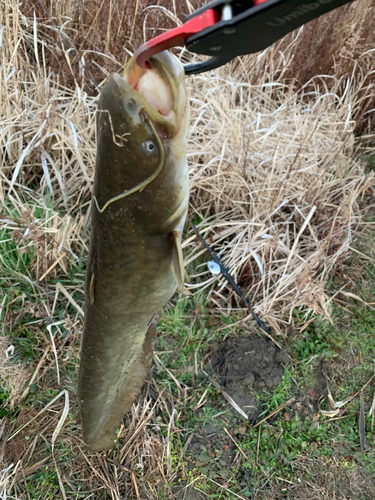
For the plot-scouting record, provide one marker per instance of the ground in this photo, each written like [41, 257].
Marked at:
[279, 458]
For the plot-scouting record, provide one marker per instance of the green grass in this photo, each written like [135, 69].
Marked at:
[281, 443]
[275, 451]
[27, 310]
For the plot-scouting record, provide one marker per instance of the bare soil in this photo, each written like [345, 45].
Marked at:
[247, 367]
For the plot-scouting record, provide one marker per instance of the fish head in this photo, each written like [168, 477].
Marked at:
[142, 131]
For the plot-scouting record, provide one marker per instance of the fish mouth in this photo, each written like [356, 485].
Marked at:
[153, 87]
[161, 90]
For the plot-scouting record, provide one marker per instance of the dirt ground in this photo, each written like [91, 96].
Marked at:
[246, 367]
[249, 369]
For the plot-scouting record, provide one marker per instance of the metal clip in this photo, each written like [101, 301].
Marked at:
[214, 268]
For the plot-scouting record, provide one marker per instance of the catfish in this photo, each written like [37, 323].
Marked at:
[135, 264]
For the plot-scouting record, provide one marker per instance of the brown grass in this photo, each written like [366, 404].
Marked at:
[325, 479]
[337, 45]
[273, 183]
[272, 173]
[102, 31]
[273, 179]
[332, 45]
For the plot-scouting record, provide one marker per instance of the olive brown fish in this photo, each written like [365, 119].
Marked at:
[140, 201]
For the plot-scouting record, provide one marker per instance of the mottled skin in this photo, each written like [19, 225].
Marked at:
[131, 271]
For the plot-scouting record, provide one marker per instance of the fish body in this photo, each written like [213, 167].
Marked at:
[140, 202]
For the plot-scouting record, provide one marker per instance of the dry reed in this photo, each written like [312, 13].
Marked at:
[272, 174]
[274, 180]
[273, 184]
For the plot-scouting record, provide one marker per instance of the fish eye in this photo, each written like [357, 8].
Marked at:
[148, 146]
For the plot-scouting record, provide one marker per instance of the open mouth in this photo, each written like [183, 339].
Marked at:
[150, 84]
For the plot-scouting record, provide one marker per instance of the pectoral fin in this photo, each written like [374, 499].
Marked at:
[177, 260]
[92, 289]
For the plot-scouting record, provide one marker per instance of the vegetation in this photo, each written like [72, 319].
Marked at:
[282, 188]
[314, 439]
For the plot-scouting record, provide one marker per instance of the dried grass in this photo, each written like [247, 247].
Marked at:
[336, 41]
[273, 182]
[272, 174]
[13, 376]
